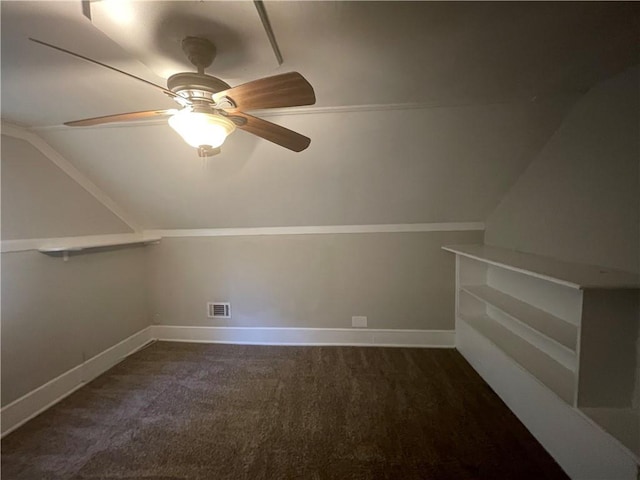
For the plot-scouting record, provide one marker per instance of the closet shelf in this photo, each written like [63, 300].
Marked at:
[556, 329]
[564, 273]
[95, 245]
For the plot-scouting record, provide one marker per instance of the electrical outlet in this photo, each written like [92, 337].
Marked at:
[359, 322]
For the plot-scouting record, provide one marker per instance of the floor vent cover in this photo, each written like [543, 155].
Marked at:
[218, 310]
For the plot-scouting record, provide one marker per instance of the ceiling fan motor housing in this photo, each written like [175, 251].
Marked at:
[196, 85]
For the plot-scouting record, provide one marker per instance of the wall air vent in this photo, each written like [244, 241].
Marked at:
[218, 310]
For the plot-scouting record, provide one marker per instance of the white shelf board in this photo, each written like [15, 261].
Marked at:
[548, 371]
[71, 247]
[547, 324]
[572, 275]
[621, 423]
[581, 447]
[563, 355]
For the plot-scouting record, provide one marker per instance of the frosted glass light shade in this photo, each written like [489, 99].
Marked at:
[200, 129]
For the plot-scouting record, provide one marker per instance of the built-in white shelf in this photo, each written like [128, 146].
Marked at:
[547, 370]
[569, 274]
[571, 328]
[558, 352]
[547, 324]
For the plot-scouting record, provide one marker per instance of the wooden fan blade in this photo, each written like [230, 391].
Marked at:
[274, 133]
[121, 117]
[286, 90]
[164, 90]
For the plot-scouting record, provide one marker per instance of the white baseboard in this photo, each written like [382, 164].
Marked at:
[35, 402]
[307, 336]
[584, 451]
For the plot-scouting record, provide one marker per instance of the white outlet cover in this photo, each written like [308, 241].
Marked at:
[359, 322]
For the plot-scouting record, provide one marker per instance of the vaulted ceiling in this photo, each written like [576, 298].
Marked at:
[426, 111]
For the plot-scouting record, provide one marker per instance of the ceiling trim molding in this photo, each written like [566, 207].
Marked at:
[377, 107]
[383, 107]
[318, 230]
[63, 164]
[23, 245]
[313, 110]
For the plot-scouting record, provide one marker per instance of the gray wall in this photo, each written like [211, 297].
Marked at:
[39, 200]
[579, 200]
[55, 314]
[398, 280]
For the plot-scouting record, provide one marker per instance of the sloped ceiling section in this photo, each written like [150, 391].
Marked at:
[427, 112]
[396, 166]
[40, 201]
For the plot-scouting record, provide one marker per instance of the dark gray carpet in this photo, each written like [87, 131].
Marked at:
[191, 411]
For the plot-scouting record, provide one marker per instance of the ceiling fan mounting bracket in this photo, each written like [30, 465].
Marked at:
[200, 52]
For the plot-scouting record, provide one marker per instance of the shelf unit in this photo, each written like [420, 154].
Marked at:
[571, 328]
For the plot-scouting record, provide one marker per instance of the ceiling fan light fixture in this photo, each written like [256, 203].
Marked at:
[202, 130]
[211, 109]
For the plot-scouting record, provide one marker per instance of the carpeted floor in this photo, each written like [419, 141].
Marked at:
[193, 411]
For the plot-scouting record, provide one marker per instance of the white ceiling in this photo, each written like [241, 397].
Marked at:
[428, 111]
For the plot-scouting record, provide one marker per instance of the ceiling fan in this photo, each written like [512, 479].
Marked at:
[212, 109]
